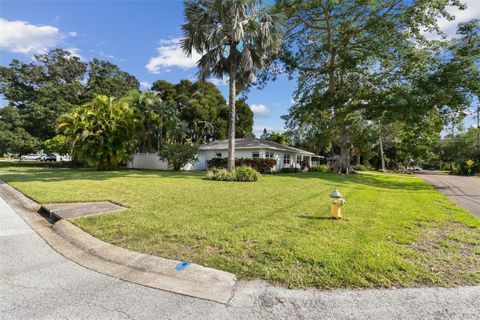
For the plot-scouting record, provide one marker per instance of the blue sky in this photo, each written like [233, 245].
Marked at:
[141, 37]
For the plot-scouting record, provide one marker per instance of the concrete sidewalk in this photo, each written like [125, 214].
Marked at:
[38, 283]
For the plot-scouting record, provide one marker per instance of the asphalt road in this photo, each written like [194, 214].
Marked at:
[465, 191]
[38, 283]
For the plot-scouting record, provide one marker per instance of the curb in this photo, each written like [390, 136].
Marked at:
[144, 269]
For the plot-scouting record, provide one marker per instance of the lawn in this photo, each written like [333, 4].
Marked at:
[397, 230]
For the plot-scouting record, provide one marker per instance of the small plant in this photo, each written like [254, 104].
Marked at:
[243, 173]
[289, 170]
[319, 168]
[219, 174]
[246, 173]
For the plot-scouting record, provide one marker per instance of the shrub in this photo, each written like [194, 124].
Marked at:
[289, 170]
[260, 164]
[178, 155]
[246, 173]
[243, 173]
[319, 168]
[219, 174]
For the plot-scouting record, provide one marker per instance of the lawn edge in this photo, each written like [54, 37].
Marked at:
[82, 248]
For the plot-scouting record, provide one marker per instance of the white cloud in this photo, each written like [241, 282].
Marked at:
[145, 85]
[450, 27]
[72, 34]
[259, 109]
[170, 55]
[20, 36]
[219, 82]
[75, 52]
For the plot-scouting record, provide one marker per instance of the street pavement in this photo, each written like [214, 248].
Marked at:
[465, 191]
[38, 283]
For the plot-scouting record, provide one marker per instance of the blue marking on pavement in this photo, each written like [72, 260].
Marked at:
[182, 265]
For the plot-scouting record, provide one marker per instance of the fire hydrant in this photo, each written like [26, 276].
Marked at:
[337, 203]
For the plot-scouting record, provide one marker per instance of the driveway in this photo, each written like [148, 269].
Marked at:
[465, 191]
[38, 283]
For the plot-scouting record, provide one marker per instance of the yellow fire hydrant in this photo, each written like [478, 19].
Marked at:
[337, 203]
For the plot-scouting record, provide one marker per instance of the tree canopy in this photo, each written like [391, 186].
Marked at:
[201, 107]
[42, 90]
[372, 58]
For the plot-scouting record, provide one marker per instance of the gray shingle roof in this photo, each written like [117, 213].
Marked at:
[251, 143]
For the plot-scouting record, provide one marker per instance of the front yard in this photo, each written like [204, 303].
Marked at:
[397, 230]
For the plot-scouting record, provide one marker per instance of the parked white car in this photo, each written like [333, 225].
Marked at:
[31, 156]
[64, 157]
[414, 168]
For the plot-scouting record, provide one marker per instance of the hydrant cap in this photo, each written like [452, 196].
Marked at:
[335, 194]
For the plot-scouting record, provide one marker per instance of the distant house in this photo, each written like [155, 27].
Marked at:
[286, 156]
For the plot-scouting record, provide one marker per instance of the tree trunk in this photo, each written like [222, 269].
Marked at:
[345, 147]
[231, 117]
[382, 155]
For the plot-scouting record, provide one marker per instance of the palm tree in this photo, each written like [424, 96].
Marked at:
[234, 38]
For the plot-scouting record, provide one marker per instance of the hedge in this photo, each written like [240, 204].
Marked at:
[260, 164]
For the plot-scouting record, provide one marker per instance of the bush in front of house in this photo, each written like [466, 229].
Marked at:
[242, 173]
[247, 174]
[219, 174]
[259, 164]
[178, 155]
[289, 170]
[319, 168]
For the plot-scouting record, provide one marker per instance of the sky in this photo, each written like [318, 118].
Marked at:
[142, 38]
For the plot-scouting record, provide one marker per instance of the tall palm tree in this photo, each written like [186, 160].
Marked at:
[234, 38]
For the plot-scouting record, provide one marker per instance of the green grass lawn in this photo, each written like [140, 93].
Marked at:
[397, 230]
[16, 165]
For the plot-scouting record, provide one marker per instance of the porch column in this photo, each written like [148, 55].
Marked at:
[310, 161]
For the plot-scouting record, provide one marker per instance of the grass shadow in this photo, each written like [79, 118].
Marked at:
[302, 216]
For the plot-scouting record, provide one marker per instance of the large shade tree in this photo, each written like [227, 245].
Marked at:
[364, 56]
[202, 107]
[51, 85]
[234, 37]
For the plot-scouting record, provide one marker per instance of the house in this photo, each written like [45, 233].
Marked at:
[286, 156]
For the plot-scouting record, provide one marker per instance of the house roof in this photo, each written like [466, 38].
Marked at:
[251, 143]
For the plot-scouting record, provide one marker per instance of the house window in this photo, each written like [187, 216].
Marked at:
[255, 154]
[286, 158]
[299, 159]
[218, 155]
[269, 154]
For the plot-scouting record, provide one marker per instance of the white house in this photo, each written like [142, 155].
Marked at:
[286, 156]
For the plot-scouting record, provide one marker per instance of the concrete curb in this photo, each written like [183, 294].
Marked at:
[92, 253]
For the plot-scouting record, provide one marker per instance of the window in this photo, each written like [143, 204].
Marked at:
[299, 159]
[218, 154]
[286, 158]
[269, 154]
[255, 154]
